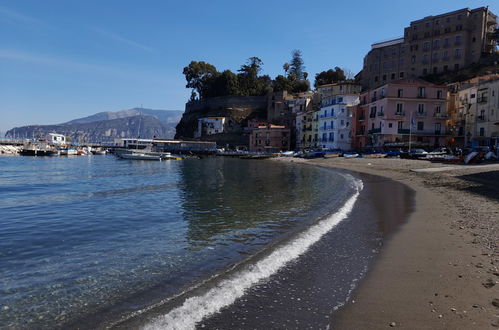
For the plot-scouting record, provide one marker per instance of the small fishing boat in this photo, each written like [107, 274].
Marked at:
[38, 149]
[139, 156]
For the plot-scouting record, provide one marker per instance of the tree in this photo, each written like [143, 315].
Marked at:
[328, 77]
[249, 83]
[296, 66]
[197, 74]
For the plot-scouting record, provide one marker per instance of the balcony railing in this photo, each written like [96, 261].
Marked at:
[381, 114]
[481, 118]
[421, 114]
[374, 131]
[361, 118]
[360, 133]
[441, 115]
[482, 99]
[400, 113]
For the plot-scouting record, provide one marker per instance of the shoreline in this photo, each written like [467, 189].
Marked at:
[439, 270]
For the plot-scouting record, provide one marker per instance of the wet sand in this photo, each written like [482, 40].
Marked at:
[439, 271]
[300, 295]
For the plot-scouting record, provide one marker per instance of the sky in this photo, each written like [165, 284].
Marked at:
[65, 59]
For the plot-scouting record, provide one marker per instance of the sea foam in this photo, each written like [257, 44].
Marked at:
[196, 308]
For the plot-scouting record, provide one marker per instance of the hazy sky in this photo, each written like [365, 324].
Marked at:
[61, 60]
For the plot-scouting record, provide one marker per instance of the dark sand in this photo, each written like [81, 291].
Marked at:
[440, 270]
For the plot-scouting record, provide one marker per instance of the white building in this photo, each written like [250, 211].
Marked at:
[209, 126]
[335, 121]
[55, 138]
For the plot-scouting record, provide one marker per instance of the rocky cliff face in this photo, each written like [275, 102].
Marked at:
[106, 126]
[237, 109]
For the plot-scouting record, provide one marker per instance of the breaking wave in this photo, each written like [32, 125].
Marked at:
[196, 308]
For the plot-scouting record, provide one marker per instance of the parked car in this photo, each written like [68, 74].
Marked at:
[414, 154]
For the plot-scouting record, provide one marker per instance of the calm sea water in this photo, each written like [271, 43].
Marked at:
[83, 237]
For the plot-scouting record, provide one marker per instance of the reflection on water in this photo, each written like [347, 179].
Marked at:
[81, 234]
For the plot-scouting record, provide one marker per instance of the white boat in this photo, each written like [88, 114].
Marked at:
[139, 156]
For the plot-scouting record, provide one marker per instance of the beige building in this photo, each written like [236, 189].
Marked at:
[434, 44]
[478, 106]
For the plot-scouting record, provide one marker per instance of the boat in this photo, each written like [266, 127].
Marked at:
[139, 156]
[38, 149]
[99, 152]
[68, 152]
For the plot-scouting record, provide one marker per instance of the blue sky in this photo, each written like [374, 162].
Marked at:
[65, 59]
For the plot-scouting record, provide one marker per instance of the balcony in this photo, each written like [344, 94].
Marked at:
[420, 114]
[360, 133]
[481, 118]
[403, 131]
[374, 131]
[482, 99]
[441, 115]
[421, 96]
[361, 118]
[400, 113]
[374, 98]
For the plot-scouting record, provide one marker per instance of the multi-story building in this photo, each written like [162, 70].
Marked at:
[403, 112]
[270, 138]
[434, 44]
[478, 107]
[210, 126]
[334, 125]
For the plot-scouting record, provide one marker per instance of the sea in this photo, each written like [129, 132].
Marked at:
[95, 242]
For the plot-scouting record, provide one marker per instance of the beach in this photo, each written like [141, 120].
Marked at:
[439, 270]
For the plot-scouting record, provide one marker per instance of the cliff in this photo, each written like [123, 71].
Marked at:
[237, 109]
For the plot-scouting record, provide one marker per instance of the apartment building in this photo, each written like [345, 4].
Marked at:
[334, 116]
[431, 45]
[402, 111]
[478, 110]
[270, 138]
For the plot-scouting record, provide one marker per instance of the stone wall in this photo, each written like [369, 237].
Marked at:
[227, 102]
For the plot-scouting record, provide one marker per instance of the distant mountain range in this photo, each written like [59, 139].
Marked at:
[106, 126]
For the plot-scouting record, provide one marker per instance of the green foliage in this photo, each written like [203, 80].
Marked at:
[330, 76]
[206, 81]
[197, 74]
[296, 66]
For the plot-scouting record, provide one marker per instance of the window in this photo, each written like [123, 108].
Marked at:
[384, 77]
[376, 78]
[390, 125]
[438, 109]
[400, 108]
[331, 137]
[373, 112]
[401, 74]
[457, 53]
[482, 131]
[436, 44]
[439, 94]
[324, 137]
[332, 124]
[446, 42]
[457, 40]
[456, 66]
[400, 125]
[400, 92]
[420, 125]
[420, 108]
[393, 76]
[421, 92]
[438, 128]
[426, 46]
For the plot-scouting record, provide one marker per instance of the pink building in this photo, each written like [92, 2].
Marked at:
[270, 138]
[391, 108]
